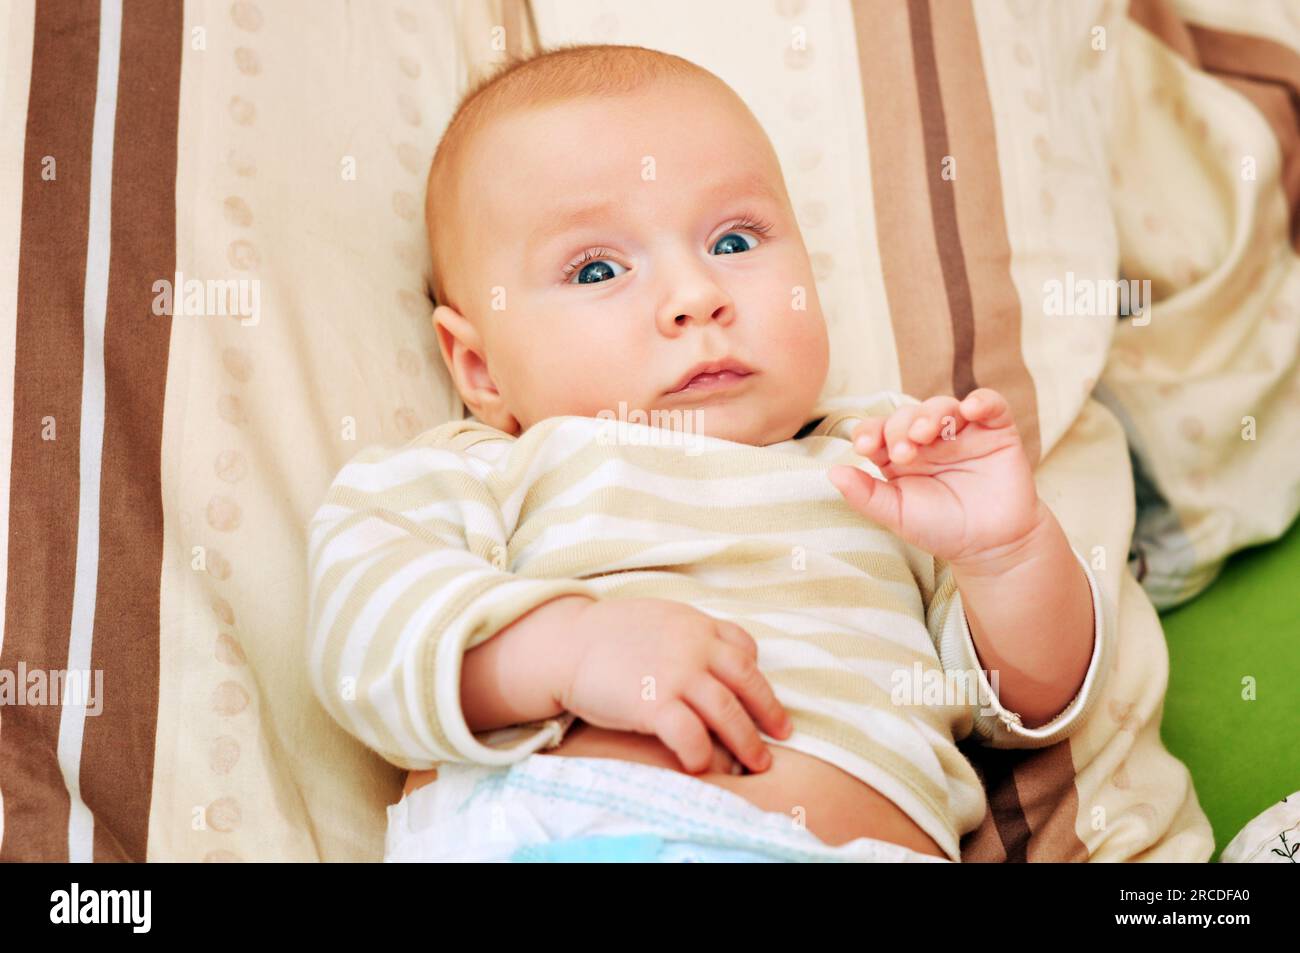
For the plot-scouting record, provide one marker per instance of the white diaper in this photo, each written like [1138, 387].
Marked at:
[556, 808]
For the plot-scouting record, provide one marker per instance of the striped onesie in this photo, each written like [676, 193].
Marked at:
[422, 552]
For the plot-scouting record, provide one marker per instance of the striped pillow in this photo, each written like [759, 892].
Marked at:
[166, 453]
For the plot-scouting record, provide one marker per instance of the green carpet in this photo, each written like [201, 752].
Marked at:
[1243, 755]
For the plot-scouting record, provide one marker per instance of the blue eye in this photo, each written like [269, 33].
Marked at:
[596, 265]
[733, 242]
[596, 271]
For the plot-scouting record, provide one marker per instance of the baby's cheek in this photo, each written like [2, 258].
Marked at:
[801, 338]
[581, 384]
[790, 307]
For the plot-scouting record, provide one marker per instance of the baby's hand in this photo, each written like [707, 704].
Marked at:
[664, 668]
[959, 483]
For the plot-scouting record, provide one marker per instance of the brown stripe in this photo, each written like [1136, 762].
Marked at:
[909, 256]
[980, 241]
[1164, 22]
[47, 385]
[1264, 71]
[1268, 74]
[1051, 804]
[1250, 57]
[1005, 814]
[1284, 117]
[943, 207]
[982, 845]
[118, 753]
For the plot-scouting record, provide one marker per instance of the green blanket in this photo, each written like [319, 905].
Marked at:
[1238, 639]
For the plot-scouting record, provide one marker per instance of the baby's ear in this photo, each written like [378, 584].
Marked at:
[452, 330]
[463, 353]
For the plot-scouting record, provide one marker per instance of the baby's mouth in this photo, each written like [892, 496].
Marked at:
[715, 376]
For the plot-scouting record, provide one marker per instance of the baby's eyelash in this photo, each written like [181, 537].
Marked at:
[591, 254]
[749, 223]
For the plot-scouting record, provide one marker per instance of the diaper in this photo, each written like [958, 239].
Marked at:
[549, 808]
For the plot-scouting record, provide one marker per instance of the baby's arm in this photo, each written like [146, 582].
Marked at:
[406, 578]
[959, 486]
[650, 666]
[421, 638]
[1011, 598]
[511, 678]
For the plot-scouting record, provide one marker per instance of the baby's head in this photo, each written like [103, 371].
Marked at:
[605, 220]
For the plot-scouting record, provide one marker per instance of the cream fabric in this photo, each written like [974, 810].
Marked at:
[1209, 387]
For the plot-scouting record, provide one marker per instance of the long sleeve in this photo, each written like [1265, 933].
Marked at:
[408, 569]
[993, 724]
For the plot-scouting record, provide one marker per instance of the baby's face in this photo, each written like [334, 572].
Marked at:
[612, 246]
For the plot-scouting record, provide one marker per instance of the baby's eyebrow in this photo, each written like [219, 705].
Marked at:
[578, 216]
[574, 217]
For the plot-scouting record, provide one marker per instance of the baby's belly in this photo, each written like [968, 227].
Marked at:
[834, 805]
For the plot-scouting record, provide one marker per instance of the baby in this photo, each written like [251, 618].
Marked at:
[612, 647]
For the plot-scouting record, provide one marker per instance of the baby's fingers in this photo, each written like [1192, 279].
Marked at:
[987, 407]
[901, 448]
[733, 634]
[938, 415]
[869, 440]
[739, 671]
[684, 734]
[723, 713]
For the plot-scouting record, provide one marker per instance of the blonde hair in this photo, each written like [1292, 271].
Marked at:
[553, 75]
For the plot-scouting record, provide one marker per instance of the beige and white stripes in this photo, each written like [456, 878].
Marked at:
[422, 552]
